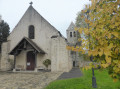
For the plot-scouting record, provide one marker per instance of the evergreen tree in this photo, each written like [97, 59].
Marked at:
[4, 32]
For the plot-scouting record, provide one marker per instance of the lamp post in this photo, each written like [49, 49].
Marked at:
[94, 84]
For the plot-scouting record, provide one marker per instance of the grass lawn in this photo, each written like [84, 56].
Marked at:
[104, 81]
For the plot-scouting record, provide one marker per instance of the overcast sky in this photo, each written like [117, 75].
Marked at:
[59, 13]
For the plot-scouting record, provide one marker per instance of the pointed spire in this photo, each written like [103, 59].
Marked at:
[31, 3]
[71, 26]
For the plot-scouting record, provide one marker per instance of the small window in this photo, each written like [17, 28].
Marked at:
[74, 34]
[72, 28]
[31, 32]
[70, 34]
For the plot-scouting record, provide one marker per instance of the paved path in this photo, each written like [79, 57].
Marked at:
[27, 80]
[74, 73]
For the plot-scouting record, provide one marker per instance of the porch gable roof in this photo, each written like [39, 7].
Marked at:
[21, 43]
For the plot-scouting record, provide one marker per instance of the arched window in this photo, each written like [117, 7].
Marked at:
[74, 34]
[31, 32]
[70, 34]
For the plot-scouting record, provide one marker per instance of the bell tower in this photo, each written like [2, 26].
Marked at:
[71, 34]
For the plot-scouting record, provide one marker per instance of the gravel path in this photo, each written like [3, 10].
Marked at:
[27, 80]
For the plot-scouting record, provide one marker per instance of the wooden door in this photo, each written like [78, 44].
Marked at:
[30, 60]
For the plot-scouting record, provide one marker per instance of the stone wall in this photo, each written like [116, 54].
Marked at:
[0, 60]
[5, 64]
[21, 60]
[84, 63]
[60, 58]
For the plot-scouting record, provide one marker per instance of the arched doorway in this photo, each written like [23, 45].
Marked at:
[30, 61]
[73, 63]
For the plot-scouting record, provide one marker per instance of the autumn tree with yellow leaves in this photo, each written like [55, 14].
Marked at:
[104, 34]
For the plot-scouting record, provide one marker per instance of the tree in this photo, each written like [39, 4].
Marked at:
[104, 35]
[0, 18]
[82, 24]
[80, 20]
[4, 32]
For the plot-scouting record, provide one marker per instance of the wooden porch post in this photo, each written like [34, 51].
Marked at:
[14, 60]
[35, 59]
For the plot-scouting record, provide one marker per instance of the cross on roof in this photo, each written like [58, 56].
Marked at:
[31, 3]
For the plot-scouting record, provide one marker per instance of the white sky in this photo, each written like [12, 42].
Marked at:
[59, 13]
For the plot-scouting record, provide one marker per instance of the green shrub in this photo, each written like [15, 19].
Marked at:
[47, 62]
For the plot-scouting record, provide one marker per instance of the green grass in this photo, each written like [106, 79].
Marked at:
[104, 81]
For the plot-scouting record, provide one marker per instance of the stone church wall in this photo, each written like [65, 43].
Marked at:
[55, 50]
[5, 64]
[60, 58]
[21, 60]
[0, 60]
[43, 30]
[40, 59]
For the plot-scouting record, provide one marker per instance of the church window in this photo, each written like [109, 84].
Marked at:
[72, 27]
[74, 34]
[31, 32]
[70, 34]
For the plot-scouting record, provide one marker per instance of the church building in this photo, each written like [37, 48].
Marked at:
[72, 39]
[32, 41]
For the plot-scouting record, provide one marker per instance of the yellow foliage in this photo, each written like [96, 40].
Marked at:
[83, 68]
[103, 24]
[77, 47]
[86, 67]
[116, 50]
[76, 28]
[104, 65]
[103, 62]
[100, 53]
[118, 65]
[89, 53]
[94, 52]
[83, 40]
[107, 52]
[79, 39]
[109, 35]
[115, 61]
[87, 47]
[91, 64]
[69, 47]
[86, 20]
[91, 23]
[80, 30]
[83, 51]
[117, 70]
[108, 59]
[111, 46]
[115, 34]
